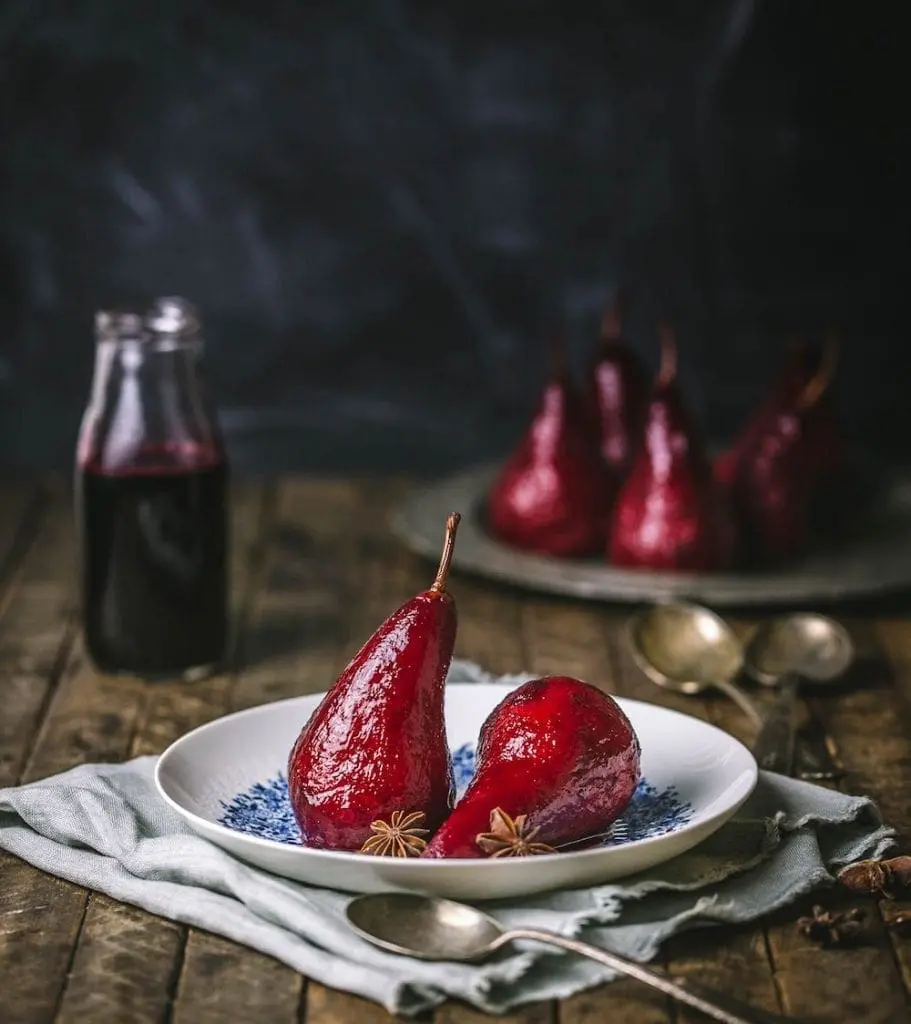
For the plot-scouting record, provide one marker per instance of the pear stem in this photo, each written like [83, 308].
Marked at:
[819, 383]
[612, 321]
[667, 372]
[452, 525]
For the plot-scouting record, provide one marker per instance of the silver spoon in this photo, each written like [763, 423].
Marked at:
[689, 649]
[435, 929]
[786, 652]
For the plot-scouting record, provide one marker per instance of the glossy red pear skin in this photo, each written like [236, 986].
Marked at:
[618, 397]
[377, 743]
[556, 749]
[824, 435]
[669, 514]
[788, 383]
[552, 495]
[773, 490]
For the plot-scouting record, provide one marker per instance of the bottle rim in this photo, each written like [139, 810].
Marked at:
[172, 315]
[113, 324]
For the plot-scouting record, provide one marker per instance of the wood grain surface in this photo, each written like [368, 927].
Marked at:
[314, 572]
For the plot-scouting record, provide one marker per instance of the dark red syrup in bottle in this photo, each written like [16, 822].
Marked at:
[154, 563]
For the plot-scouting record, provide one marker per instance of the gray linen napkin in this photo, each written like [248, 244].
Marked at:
[103, 826]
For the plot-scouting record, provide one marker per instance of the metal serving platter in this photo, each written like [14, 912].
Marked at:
[868, 555]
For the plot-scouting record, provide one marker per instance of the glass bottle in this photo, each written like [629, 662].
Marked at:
[151, 500]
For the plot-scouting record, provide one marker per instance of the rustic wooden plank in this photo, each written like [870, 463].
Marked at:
[871, 727]
[900, 940]
[621, 1002]
[20, 506]
[564, 638]
[490, 626]
[222, 982]
[125, 960]
[853, 983]
[728, 960]
[867, 727]
[40, 917]
[387, 572]
[36, 628]
[92, 718]
[121, 966]
[328, 1006]
[460, 1013]
[299, 633]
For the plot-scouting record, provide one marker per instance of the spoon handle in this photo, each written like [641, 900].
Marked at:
[741, 699]
[774, 745]
[717, 1005]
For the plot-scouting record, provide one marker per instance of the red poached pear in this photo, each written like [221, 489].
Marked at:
[618, 392]
[802, 363]
[557, 760]
[777, 474]
[552, 496]
[374, 753]
[669, 514]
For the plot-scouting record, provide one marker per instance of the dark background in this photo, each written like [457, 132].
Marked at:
[382, 208]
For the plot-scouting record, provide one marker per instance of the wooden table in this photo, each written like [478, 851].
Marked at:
[315, 572]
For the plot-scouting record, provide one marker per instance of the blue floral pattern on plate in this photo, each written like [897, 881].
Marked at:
[264, 809]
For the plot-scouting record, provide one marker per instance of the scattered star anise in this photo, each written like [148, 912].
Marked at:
[401, 836]
[880, 877]
[508, 837]
[832, 927]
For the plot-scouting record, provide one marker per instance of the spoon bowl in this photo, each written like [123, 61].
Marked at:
[422, 926]
[689, 649]
[787, 652]
[815, 647]
[685, 647]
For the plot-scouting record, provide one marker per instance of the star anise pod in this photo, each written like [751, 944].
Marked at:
[509, 837]
[880, 877]
[832, 927]
[401, 836]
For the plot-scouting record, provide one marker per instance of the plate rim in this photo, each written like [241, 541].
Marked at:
[348, 856]
[481, 555]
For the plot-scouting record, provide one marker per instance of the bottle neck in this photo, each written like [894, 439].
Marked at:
[148, 410]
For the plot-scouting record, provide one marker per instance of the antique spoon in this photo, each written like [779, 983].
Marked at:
[787, 652]
[689, 649]
[428, 928]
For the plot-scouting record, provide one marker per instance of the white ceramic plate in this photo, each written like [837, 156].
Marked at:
[227, 780]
